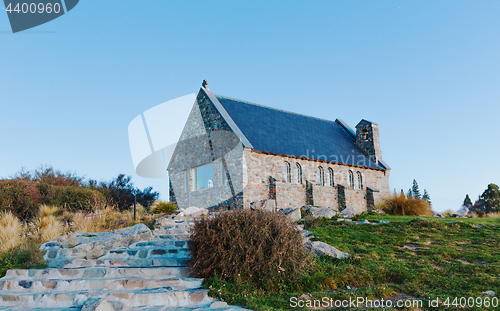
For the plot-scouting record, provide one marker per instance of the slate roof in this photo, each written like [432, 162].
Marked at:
[287, 133]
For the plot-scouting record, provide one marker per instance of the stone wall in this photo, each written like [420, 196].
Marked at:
[260, 166]
[206, 139]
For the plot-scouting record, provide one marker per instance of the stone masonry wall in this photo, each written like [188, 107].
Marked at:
[260, 166]
[206, 139]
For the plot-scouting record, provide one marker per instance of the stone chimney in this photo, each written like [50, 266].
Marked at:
[367, 138]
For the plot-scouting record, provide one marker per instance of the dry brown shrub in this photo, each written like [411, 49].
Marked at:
[400, 204]
[254, 245]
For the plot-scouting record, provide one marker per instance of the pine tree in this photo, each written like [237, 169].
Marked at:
[414, 190]
[409, 194]
[426, 197]
[467, 201]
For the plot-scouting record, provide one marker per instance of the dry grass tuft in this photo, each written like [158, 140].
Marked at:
[11, 231]
[47, 210]
[400, 204]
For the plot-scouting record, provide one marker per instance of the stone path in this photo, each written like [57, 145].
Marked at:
[128, 269]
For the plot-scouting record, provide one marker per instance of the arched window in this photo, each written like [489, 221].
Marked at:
[330, 175]
[351, 180]
[298, 173]
[286, 172]
[321, 176]
[360, 181]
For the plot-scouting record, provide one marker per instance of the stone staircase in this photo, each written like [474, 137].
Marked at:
[128, 269]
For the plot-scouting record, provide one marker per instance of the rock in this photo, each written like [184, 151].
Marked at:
[194, 211]
[218, 304]
[269, 205]
[321, 211]
[344, 219]
[292, 213]
[164, 221]
[348, 212]
[323, 249]
[489, 292]
[97, 304]
[378, 211]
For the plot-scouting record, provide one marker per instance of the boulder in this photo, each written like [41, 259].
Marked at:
[292, 213]
[348, 212]
[194, 211]
[322, 249]
[321, 211]
[269, 205]
[378, 211]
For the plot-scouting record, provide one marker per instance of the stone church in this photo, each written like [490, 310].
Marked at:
[236, 154]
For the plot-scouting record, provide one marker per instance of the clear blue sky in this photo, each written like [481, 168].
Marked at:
[428, 72]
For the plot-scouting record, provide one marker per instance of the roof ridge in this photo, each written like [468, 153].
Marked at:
[277, 109]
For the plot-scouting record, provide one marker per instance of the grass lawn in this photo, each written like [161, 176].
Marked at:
[409, 258]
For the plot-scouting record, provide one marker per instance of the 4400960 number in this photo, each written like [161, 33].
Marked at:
[471, 302]
[34, 8]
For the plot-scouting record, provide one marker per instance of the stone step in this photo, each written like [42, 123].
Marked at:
[147, 252]
[171, 237]
[126, 298]
[99, 284]
[111, 272]
[135, 263]
[160, 243]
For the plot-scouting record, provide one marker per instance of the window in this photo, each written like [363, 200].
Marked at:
[286, 172]
[321, 176]
[222, 173]
[360, 181]
[351, 180]
[298, 173]
[330, 173]
[204, 176]
[186, 181]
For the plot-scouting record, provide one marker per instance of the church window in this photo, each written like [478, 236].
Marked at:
[330, 175]
[204, 176]
[298, 173]
[321, 176]
[287, 172]
[360, 181]
[351, 180]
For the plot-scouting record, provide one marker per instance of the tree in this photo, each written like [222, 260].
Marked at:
[122, 193]
[491, 198]
[415, 191]
[410, 193]
[467, 201]
[147, 196]
[426, 197]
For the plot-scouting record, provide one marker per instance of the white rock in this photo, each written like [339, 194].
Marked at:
[292, 213]
[323, 249]
[321, 211]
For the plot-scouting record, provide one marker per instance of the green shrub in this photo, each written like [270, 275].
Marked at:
[258, 246]
[400, 204]
[19, 196]
[71, 197]
[162, 207]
